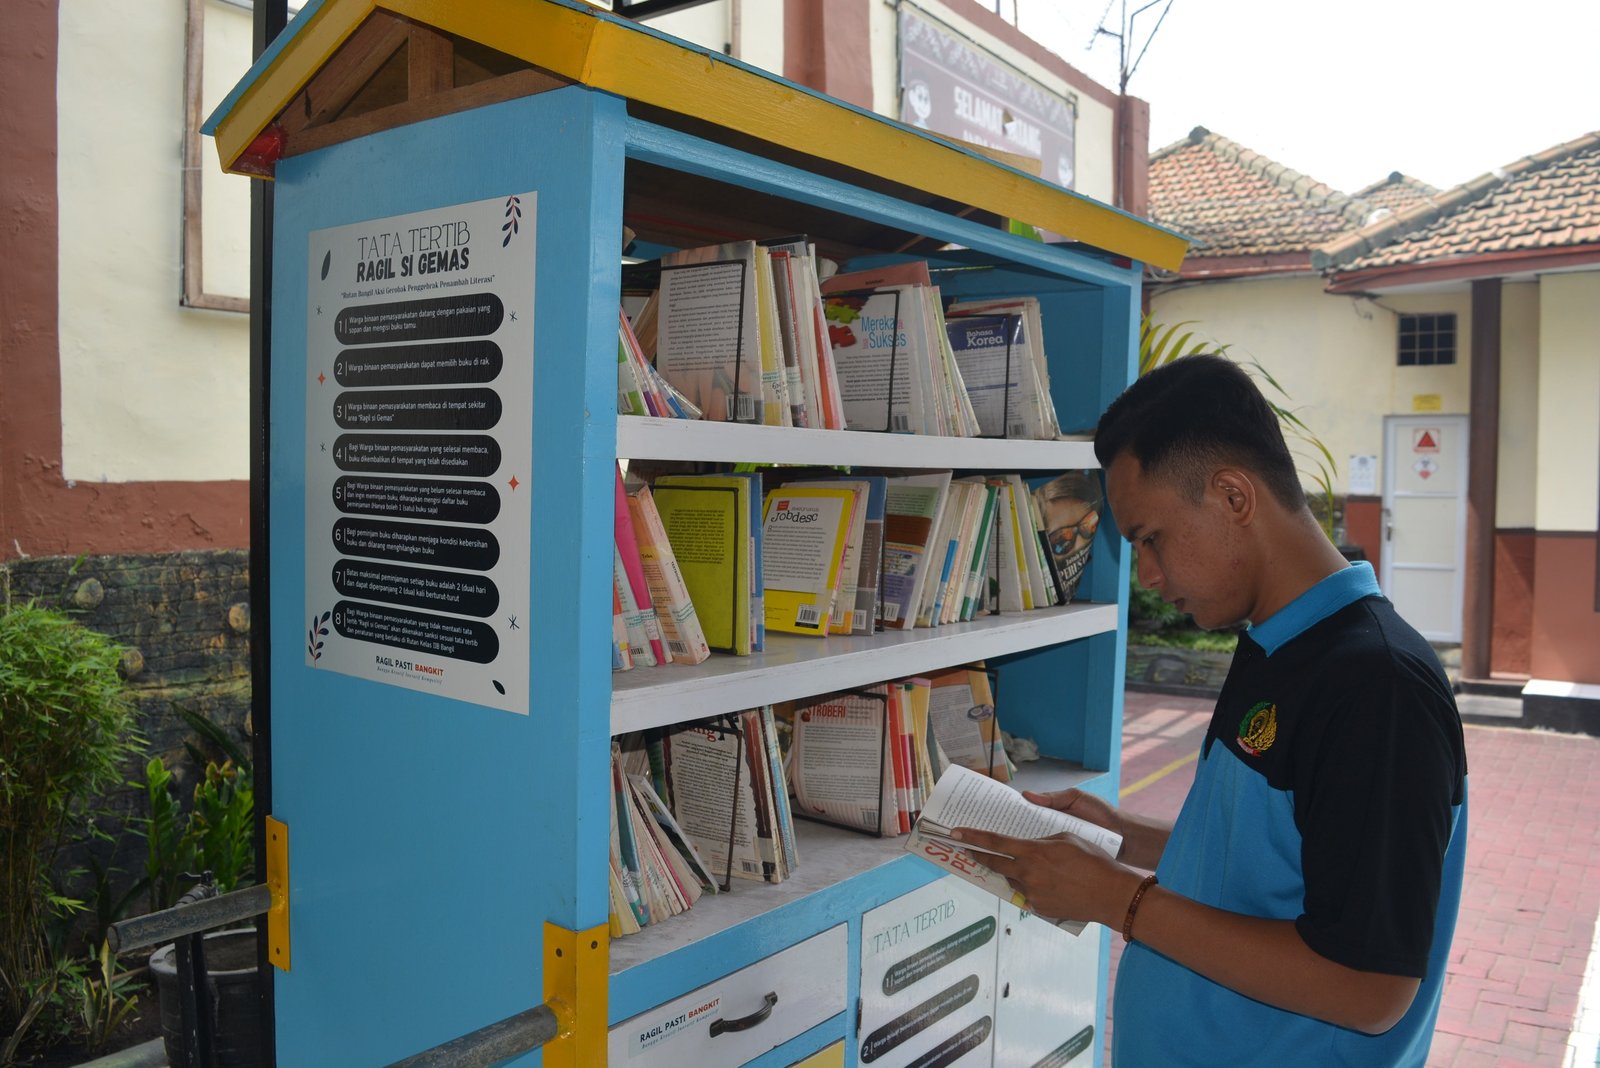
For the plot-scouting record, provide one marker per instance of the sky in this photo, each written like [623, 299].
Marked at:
[1349, 91]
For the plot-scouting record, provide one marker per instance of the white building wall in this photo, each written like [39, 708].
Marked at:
[150, 390]
[1333, 356]
[1516, 492]
[1569, 402]
[1418, 389]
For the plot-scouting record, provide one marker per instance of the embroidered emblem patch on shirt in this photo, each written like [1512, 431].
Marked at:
[1259, 728]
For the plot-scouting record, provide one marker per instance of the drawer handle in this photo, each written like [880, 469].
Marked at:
[744, 1023]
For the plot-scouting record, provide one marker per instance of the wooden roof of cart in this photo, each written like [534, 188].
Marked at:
[347, 68]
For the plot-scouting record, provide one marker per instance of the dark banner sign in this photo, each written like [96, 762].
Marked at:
[951, 86]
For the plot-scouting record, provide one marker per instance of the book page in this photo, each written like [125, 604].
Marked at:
[702, 770]
[839, 755]
[996, 367]
[964, 798]
[875, 361]
[964, 723]
[708, 344]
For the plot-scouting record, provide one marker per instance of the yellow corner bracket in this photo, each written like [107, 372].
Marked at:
[278, 885]
[576, 978]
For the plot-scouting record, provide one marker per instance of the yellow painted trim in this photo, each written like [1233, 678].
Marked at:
[609, 55]
[277, 846]
[831, 1057]
[576, 985]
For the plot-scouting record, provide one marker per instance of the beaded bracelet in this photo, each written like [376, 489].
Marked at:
[1133, 906]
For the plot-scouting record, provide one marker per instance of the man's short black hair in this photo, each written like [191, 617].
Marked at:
[1186, 418]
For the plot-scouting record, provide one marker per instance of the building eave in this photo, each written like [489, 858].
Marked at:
[1463, 269]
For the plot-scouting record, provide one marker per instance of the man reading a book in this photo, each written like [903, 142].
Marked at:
[1300, 909]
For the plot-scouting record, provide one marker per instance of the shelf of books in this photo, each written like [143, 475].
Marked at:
[776, 376]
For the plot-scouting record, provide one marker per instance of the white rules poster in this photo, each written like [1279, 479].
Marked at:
[419, 444]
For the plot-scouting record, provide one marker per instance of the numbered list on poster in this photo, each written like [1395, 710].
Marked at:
[418, 450]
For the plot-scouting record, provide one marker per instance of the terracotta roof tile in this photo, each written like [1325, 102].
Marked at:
[1395, 193]
[1232, 201]
[1546, 201]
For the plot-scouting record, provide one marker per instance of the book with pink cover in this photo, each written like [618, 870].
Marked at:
[680, 625]
[633, 568]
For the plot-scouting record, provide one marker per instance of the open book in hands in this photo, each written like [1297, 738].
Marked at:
[964, 798]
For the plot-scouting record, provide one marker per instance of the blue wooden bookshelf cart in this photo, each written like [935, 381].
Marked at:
[452, 183]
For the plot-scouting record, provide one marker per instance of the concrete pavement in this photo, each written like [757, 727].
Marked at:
[1523, 987]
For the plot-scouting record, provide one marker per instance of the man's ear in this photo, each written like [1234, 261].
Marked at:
[1236, 490]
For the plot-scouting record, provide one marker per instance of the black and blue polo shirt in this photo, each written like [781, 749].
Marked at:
[1330, 791]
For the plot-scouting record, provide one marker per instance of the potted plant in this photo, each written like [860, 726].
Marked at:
[213, 837]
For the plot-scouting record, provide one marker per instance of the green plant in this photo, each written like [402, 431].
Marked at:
[221, 825]
[1159, 344]
[104, 1000]
[45, 1020]
[215, 835]
[166, 858]
[66, 733]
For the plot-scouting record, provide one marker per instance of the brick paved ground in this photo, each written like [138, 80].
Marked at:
[1532, 889]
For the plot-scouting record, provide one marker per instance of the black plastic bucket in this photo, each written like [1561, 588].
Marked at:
[231, 975]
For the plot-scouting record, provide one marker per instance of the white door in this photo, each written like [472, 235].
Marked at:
[1425, 521]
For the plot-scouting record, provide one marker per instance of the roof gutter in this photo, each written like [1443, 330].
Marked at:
[1464, 269]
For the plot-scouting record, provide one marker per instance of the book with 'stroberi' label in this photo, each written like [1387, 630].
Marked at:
[802, 549]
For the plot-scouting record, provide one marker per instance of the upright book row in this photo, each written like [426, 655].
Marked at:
[751, 332]
[698, 805]
[715, 563]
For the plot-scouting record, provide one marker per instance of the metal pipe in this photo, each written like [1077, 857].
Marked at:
[522, 1033]
[180, 920]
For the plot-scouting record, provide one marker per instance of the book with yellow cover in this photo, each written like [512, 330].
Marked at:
[803, 539]
[707, 520]
[846, 618]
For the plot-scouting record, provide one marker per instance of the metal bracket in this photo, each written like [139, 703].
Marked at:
[277, 847]
[576, 983]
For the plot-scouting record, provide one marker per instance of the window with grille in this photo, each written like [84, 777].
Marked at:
[1427, 339]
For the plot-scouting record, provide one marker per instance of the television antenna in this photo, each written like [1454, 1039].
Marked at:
[1124, 35]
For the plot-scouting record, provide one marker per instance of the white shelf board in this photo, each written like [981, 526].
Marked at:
[828, 856]
[795, 666]
[647, 437]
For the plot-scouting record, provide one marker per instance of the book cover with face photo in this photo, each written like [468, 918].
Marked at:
[1067, 512]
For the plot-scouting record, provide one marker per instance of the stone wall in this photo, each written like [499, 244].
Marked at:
[185, 620]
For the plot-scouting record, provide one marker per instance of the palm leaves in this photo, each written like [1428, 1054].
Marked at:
[1160, 344]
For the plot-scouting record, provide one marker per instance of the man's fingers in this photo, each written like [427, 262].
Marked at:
[1059, 800]
[984, 839]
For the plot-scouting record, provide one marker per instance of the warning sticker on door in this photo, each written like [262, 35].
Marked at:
[1425, 439]
[1425, 467]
